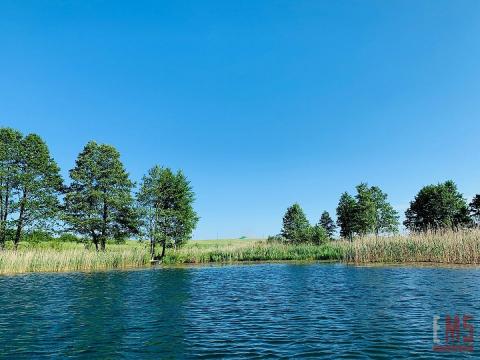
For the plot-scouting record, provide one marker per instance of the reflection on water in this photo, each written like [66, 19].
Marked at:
[262, 311]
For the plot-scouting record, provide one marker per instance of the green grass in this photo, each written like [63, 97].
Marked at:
[224, 251]
[461, 247]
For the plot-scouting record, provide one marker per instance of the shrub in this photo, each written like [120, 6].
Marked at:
[67, 237]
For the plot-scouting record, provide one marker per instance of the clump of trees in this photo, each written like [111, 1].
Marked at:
[98, 203]
[369, 212]
[297, 229]
[166, 204]
[439, 206]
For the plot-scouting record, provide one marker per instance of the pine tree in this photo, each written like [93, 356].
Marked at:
[295, 224]
[10, 144]
[98, 202]
[474, 208]
[39, 185]
[327, 223]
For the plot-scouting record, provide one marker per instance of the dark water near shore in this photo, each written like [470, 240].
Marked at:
[253, 311]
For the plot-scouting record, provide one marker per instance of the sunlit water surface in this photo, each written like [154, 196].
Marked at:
[252, 311]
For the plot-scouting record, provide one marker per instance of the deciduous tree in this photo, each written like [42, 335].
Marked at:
[437, 207]
[346, 215]
[166, 204]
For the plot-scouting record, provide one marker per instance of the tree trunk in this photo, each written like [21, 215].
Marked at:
[163, 249]
[104, 226]
[4, 215]
[152, 248]
[20, 220]
[95, 241]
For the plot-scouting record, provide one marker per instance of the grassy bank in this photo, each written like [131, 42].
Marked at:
[448, 248]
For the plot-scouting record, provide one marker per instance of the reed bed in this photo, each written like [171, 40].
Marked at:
[448, 247]
[44, 259]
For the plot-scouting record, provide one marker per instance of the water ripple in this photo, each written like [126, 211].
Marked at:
[264, 311]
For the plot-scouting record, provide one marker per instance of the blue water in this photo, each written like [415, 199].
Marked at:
[252, 311]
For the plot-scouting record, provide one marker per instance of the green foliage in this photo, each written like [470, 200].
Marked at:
[346, 210]
[39, 184]
[368, 213]
[67, 237]
[30, 184]
[474, 208]
[166, 205]
[327, 224]
[98, 202]
[297, 230]
[437, 207]
[276, 239]
[374, 215]
[295, 224]
[37, 236]
[317, 235]
[10, 144]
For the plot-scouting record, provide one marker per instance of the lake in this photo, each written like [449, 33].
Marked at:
[236, 311]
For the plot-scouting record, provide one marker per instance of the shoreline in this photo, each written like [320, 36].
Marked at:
[449, 249]
[414, 265]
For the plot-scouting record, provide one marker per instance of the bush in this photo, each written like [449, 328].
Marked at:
[67, 237]
[37, 236]
[276, 239]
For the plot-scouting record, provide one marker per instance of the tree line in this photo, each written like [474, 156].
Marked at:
[368, 212]
[99, 202]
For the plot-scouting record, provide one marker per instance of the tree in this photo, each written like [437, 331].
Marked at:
[346, 215]
[437, 207]
[98, 202]
[317, 235]
[295, 224]
[10, 141]
[386, 217]
[474, 208]
[365, 211]
[327, 223]
[39, 185]
[373, 213]
[166, 204]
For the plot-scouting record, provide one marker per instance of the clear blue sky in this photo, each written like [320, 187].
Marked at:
[261, 103]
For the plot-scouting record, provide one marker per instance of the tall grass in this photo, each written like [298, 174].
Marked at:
[59, 257]
[257, 251]
[462, 247]
[451, 247]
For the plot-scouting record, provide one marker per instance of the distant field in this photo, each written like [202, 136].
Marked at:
[222, 242]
